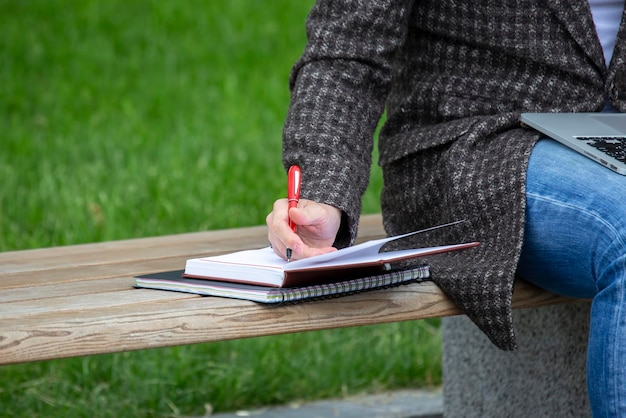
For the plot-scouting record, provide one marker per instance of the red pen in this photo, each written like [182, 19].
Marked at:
[294, 181]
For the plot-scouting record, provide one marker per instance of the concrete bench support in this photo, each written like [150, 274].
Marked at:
[545, 377]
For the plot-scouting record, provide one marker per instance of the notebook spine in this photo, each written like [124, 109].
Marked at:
[350, 287]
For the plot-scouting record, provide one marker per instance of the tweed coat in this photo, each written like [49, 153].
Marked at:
[453, 77]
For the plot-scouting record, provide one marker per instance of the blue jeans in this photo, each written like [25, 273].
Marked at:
[575, 245]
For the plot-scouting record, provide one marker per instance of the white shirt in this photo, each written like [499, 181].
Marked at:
[607, 15]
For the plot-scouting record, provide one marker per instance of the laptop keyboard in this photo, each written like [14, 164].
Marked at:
[615, 146]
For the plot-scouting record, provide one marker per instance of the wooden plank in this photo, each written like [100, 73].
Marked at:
[96, 299]
[55, 290]
[77, 274]
[136, 256]
[78, 300]
[131, 325]
[181, 245]
[104, 253]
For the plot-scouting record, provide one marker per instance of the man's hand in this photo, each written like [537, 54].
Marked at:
[317, 226]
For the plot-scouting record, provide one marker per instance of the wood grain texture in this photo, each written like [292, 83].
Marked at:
[79, 300]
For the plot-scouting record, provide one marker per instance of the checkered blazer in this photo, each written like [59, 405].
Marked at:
[453, 77]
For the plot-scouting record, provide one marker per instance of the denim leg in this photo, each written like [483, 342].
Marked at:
[575, 245]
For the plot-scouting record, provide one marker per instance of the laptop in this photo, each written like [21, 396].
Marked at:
[599, 136]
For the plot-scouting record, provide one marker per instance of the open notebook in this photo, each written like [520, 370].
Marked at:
[263, 267]
[262, 276]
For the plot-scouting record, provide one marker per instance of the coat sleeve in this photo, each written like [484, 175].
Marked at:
[338, 91]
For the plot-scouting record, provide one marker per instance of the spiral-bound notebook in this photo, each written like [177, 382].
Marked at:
[174, 281]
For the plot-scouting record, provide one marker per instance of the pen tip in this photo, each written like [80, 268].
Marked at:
[288, 254]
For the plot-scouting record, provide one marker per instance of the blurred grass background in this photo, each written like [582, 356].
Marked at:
[129, 118]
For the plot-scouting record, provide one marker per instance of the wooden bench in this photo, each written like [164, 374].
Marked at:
[79, 300]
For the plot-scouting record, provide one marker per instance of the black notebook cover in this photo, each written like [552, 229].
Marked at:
[174, 281]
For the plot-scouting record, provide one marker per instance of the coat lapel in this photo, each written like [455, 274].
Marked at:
[616, 80]
[619, 53]
[576, 17]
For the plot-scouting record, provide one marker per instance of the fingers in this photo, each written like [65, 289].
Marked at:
[279, 234]
[317, 226]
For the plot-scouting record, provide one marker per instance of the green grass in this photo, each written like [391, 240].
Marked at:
[141, 117]
[130, 118]
[228, 375]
